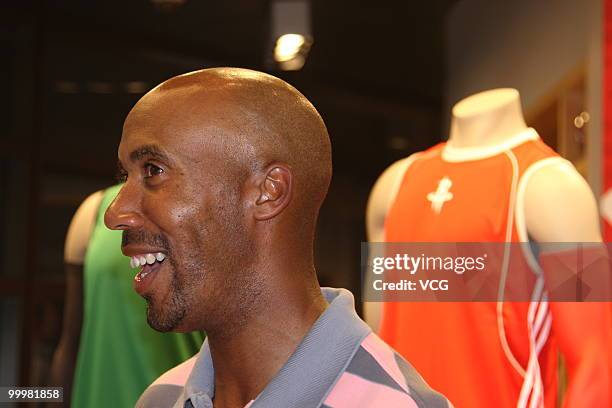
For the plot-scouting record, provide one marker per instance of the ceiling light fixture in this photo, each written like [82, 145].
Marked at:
[291, 33]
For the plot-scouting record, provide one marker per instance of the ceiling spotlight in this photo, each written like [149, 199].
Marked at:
[291, 33]
[291, 50]
[288, 46]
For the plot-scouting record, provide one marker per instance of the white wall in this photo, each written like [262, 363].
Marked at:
[528, 45]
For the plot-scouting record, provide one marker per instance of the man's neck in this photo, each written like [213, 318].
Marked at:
[247, 360]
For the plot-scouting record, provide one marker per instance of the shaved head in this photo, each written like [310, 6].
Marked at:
[256, 119]
[226, 170]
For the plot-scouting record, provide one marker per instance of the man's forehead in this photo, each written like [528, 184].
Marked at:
[139, 146]
[192, 122]
[175, 145]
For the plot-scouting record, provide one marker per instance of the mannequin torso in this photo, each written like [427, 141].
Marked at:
[555, 205]
[487, 120]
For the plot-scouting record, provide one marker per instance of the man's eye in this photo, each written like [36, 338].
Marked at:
[152, 170]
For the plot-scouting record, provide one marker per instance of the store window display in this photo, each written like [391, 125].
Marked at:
[107, 354]
[493, 181]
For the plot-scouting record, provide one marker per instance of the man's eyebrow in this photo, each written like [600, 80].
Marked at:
[148, 151]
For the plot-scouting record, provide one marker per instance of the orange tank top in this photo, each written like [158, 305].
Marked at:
[478, 354]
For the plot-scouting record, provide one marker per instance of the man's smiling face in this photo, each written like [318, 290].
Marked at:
[181, 204]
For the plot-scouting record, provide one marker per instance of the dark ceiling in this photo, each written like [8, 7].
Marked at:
[390, 49]
[375, 70]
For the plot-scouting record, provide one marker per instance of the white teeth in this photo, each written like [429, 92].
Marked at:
[135, 262]
[150, 258]
[141, 260]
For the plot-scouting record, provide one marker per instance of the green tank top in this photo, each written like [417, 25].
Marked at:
[119, 354]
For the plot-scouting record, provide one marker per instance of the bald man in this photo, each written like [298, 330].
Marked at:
[225, 171]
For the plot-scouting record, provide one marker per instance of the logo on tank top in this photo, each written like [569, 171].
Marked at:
[441, 195]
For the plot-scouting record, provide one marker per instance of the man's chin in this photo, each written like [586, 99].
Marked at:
[164, 322]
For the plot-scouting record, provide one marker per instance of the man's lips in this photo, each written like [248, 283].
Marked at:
[148, 261]
[137, 250]
[145, 277]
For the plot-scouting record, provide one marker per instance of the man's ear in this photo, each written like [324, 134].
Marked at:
[274, 192]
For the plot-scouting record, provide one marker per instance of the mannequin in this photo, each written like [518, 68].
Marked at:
[75, 247]
[485, 119]
[485, 126]
[492, 117]
[103, 328]
[81, 228]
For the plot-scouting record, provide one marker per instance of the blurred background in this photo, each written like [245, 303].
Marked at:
[384, 76]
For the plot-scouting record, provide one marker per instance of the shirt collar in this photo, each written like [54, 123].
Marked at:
[307, 376]
[451, 153]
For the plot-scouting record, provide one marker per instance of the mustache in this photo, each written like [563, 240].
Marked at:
[144, 237]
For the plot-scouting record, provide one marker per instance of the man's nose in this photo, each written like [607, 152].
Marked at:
[124, 212]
